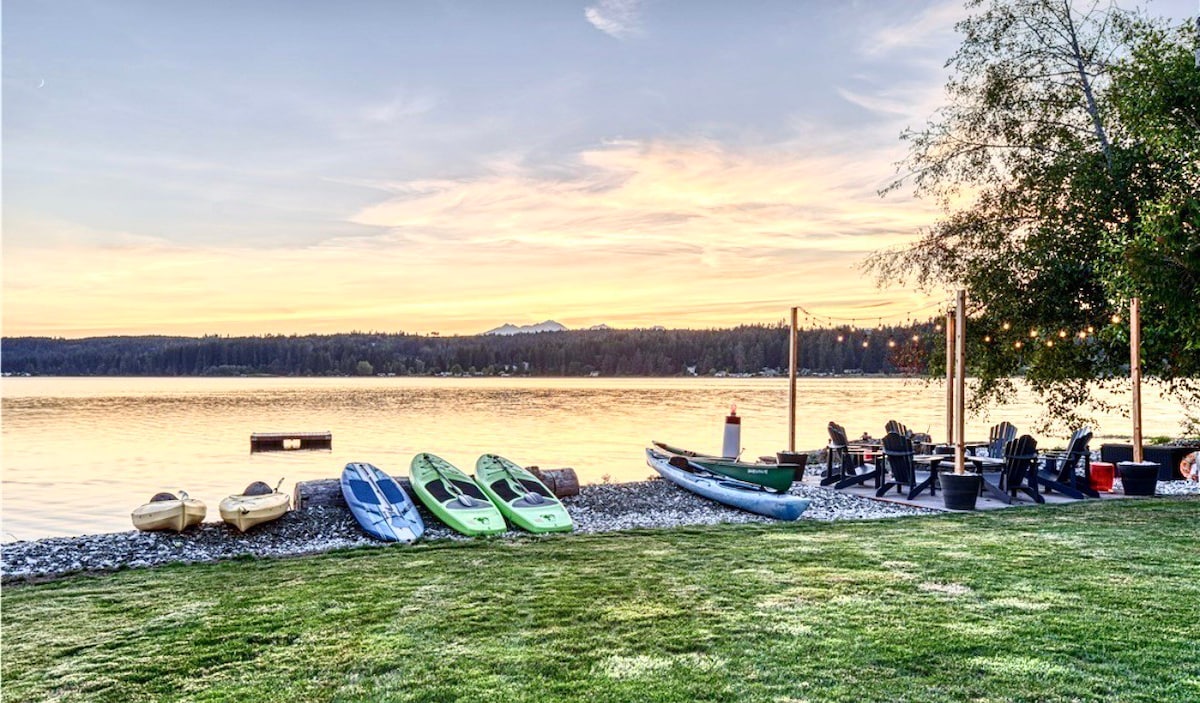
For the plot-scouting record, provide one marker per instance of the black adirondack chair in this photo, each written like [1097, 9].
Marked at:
[846, 473]
[838, 463]
[897, 427]
[898, 450]
[1019, 472]
[1058, 471]
[999, 437]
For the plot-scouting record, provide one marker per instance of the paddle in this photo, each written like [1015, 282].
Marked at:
[452, 489]
[530, 496]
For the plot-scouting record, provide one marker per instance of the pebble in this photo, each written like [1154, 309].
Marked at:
[597, 508]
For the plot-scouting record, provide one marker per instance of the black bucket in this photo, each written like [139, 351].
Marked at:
[959, 491]
[796, 460]
[1139, 479]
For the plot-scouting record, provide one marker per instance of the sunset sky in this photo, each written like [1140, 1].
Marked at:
[234, 167]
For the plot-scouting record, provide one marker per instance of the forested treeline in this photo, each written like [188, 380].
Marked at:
[746, 349]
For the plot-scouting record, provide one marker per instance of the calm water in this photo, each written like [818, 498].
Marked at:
[80, 453]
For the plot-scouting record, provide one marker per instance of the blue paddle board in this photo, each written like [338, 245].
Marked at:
[379, 504]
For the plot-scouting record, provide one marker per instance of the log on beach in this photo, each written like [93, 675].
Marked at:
[321, 492]
[561, 482]
[328, 491]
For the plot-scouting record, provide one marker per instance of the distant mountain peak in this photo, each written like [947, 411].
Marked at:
[600, 326]
[509, 328]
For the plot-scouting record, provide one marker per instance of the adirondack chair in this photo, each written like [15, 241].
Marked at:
[898, 450]
[848, 474]
[1019, 473]
[897, 427]
[999, 437]
[838, 463]
[1058, 469]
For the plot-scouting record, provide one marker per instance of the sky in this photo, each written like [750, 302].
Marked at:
[291, 167]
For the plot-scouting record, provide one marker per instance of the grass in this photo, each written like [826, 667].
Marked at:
[1088, 602]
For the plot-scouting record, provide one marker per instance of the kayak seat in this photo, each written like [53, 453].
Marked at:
[362, 492]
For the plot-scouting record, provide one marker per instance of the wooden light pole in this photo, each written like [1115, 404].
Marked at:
[1135, 373]
[949, 378]
[793, 356]
[960, 385]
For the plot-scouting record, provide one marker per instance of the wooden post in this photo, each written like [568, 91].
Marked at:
[949, 378]
[960, 382]
[1135, 373]
[793, 357]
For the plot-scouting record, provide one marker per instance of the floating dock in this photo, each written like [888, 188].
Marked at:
[280, 441]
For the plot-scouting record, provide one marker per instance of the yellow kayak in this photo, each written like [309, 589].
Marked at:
[254, 506]
[166, 511]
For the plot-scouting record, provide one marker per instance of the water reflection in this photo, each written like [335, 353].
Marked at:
[79, 454]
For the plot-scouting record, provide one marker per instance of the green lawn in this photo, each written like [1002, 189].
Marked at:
[1088, 602]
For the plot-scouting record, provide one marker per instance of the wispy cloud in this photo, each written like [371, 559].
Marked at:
[633, 233]
[617, 18]
[399, 107]
[927, 29]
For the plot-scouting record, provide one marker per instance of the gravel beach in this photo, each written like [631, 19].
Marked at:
[597, 508]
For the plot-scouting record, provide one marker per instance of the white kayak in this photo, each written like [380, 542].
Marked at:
[737, 494]
[167, 511]
[254, 507]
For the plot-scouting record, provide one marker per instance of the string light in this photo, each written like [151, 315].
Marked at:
[987, 339]
[1116, 319]
[1083, 334]
[937, 327]
[1062, 334]
[1033, 334]
[1006, 326]
[891, 343]
[1018, 344]
[1090, 329]
[916, 337]
[1049, 342]
[841, 338]
[865, 344]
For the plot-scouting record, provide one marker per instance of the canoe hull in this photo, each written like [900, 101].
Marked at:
[381, 507]
[244, 512]
[520, 496]
[777, 478]
[439, 484]
[173, 515]
[732, 493]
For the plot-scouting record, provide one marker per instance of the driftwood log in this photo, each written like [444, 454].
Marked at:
[561, 482]
[328, 491]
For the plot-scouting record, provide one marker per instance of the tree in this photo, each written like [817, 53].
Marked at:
[364, 368]
[1056, 163]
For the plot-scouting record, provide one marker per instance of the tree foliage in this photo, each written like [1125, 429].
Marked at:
[744, 349]
[1065, 160]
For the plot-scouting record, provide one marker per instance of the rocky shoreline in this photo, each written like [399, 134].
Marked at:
[597, 508]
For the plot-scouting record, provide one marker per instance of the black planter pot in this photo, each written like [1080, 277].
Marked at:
[796, 460]
[1139, 479]
[959, 491]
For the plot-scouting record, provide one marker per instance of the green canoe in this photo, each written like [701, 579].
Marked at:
[773, 476]
[523, 499]
[454, 497]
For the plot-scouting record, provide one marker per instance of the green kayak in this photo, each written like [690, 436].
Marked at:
[523, 499]
[454, 497]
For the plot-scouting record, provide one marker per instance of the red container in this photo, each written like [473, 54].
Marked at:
[1102, 476]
